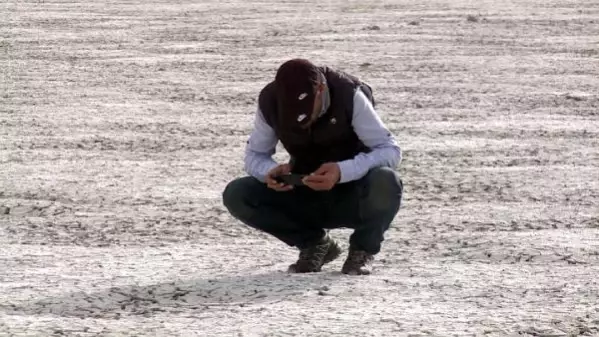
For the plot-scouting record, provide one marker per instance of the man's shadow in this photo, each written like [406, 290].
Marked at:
[231, 291]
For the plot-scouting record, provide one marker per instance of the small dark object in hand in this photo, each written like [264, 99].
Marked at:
[291, 179]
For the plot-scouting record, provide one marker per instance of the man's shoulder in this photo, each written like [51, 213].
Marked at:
[347, 87]
[267, 94]
[267, 101]
[339, 75]
[268, 87]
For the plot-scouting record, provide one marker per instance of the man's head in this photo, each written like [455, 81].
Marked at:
[300, 86]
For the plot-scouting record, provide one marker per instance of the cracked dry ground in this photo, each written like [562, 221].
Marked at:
[121, 123]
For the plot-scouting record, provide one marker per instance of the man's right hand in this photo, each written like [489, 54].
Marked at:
[277, 171]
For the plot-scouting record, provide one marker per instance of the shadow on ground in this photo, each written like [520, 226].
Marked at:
[240, 291]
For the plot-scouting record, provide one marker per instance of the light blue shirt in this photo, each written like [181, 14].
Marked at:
[367, 125]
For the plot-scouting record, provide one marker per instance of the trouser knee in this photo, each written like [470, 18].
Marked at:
[383, 193]
[235, 198]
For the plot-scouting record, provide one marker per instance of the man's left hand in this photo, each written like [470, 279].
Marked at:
[324, 178]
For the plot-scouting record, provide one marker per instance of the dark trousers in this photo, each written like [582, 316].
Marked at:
[299, 217]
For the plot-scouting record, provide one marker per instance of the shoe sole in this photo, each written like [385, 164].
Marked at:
[355, 272]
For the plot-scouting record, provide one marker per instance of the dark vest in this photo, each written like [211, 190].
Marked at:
[331, 138]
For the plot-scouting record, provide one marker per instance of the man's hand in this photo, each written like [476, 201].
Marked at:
[325, 178]
[277, 171]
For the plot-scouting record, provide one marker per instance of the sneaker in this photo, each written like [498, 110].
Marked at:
[311, 259]
[357, 263]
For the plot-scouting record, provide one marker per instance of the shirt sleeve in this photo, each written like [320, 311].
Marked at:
[260, 147]
[374, 134]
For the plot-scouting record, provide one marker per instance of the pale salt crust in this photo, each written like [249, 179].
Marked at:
[122, 122]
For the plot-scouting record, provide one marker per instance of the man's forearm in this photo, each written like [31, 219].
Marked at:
[356, 168]
[260, 148]
[374, 134]
[258, 164]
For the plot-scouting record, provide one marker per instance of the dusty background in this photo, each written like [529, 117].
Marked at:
[122, 121]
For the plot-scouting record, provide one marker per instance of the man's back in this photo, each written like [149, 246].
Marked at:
[331, 137]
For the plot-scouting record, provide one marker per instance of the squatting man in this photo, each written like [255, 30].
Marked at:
[343, 159]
